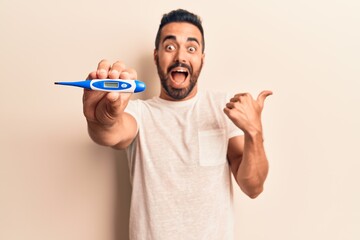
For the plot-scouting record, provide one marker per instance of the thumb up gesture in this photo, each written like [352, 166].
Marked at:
[245, 111]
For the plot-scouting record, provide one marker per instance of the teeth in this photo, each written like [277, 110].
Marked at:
[181, 70]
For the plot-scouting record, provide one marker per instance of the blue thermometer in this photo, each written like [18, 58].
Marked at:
[109, 85]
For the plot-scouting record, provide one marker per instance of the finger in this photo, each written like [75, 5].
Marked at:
[116, 69]
[91, 75]
[235, 99]
[103, 69]
[125, 75]
[226, 111]
[90, 97]
[230, 105]
[90, 101]
[229, 112]
[117, 102]
[262, 96]
[132, 73]
[113, 96]
[241, 97]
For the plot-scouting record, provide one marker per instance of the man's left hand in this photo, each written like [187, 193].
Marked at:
[245, 112]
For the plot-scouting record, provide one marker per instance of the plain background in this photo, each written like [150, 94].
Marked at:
[55, 183]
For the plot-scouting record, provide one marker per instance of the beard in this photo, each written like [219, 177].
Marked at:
[177, 93]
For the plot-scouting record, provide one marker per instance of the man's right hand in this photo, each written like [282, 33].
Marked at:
[108, 124]
[105, 107]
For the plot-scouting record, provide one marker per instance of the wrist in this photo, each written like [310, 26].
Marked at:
[254, 135]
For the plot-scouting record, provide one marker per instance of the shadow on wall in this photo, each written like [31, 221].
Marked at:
[123, 196]
[146, 70]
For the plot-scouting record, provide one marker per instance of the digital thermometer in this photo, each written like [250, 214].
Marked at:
[109, 85]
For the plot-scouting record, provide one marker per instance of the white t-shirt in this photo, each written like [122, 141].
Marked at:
[181, 180]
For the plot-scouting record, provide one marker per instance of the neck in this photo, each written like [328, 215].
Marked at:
[165, 96]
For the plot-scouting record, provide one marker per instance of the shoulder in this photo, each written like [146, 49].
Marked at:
[215, 97]
[213, 94]
[140, 102]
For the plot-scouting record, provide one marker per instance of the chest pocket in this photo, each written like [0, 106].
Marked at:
[212, 147]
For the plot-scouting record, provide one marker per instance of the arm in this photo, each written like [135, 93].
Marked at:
[248, 163]
[108, 124]
[246, 153]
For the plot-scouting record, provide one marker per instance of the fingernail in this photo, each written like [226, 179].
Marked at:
[125, 75]
[113, 96]
[101, 71]
[114, 72]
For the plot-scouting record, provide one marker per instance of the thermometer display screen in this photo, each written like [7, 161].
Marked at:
[111, 84]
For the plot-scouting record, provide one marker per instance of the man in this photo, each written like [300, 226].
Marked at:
[183, 145]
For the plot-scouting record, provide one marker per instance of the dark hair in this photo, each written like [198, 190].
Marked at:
[180, 15]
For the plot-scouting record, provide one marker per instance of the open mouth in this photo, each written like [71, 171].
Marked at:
[179, 76]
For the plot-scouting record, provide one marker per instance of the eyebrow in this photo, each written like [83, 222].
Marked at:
[189, 39]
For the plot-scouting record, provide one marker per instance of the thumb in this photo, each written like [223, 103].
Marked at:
[262, 96]
[117, 102]
[113, 96]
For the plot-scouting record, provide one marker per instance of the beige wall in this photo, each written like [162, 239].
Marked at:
[56, 184]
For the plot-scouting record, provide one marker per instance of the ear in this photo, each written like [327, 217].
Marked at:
[156, 56]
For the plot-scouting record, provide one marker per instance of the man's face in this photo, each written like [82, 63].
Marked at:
[179, 60]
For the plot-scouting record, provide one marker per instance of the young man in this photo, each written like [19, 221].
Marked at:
[183, 145]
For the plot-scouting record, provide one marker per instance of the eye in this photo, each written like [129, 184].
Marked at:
[170, 48]
[192, 49]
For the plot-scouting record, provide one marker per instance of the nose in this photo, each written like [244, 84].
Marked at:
[181, 56]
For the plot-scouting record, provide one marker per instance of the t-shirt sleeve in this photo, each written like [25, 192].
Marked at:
[233, 130]
[133, 109]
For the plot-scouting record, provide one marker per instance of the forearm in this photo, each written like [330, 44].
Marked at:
[253, 170]
[117, 135]
[246, 154]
